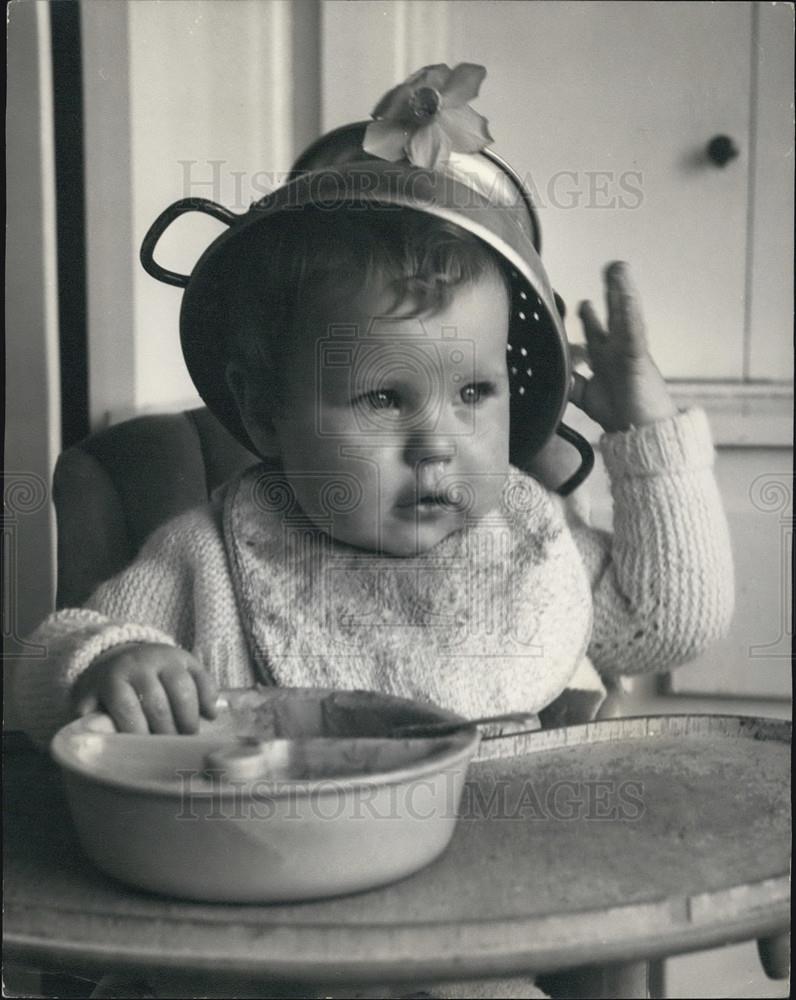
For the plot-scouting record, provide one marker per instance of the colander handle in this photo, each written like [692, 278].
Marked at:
[586, 453]
[162, 223]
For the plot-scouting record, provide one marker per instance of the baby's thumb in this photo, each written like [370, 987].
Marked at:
[579, 354]
[577, 390]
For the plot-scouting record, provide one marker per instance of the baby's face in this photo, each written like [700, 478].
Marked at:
[395, 431]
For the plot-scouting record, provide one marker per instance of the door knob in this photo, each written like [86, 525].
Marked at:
[721, 149]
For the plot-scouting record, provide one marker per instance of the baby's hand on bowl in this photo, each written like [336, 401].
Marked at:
[147, 687]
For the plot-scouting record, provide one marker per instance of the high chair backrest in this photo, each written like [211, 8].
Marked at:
[115, 487]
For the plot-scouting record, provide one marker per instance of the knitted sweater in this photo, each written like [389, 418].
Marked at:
[505, 614]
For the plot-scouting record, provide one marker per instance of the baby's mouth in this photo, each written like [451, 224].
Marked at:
[429, 494]
[443, 501]
[431, 500]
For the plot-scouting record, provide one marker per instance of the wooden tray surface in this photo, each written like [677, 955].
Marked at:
[613, 840]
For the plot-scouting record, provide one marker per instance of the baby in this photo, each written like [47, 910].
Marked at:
[385, 541]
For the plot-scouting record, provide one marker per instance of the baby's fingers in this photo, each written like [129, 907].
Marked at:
[156, 705]
[123, 703]
[578, 354]
[180, 688]
[625, 321]
[207, 691]
[596, 335]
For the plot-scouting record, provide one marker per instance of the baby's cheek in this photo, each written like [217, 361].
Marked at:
[489, 473]
[491, 492]
[343, 499]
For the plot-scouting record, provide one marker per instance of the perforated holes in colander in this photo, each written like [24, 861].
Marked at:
[537, 372]
[525, 321]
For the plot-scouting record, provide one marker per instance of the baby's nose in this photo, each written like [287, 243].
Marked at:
[429, 448]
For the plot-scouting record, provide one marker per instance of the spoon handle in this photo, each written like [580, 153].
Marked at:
[527, 719]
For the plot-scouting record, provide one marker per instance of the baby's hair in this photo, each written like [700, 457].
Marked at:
[304, 258]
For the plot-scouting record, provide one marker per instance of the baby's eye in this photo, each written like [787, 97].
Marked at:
[476, 391]
[380, 399]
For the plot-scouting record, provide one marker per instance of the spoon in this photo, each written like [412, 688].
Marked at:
[250, 758]
[445, 728]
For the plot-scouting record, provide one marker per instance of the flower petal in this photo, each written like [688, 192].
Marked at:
[395, 103]
[463, 84]
[436, 76]
[429, 147]
[385, 139]
[467, 130]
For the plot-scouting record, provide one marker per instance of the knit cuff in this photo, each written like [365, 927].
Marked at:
[681, 442]
[106, 638]
[71, 640]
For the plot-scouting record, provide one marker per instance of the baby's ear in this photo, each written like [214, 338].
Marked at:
[254, 405]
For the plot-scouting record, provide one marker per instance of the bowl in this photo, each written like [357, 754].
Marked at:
[149, 811]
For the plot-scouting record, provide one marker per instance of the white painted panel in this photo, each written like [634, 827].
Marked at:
[363, 54]
[753, 661]
[753, 415]
[369, 46]
[771, 312]
[110, 253]
[606, 109]
[32, 413]
[210, 100]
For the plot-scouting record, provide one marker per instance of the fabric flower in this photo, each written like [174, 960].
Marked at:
[427, 117]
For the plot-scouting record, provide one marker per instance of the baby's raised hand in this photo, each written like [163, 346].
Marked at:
[626, 389]
[147, 687]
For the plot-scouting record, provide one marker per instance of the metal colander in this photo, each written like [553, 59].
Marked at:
[478, 192]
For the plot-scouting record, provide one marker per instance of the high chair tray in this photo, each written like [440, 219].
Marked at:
[611, 841]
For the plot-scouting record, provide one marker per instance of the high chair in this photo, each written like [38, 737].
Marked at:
[115, 487]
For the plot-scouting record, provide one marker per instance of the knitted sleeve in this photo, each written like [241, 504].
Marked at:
[663, 583]
[150, 601]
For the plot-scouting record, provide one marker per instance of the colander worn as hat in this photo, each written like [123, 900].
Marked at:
[425, 150]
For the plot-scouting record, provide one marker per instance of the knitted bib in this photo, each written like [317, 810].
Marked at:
[494, 618]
